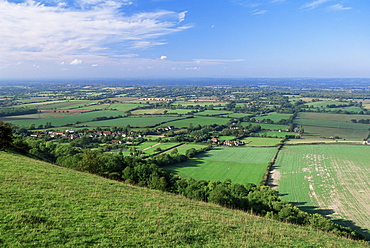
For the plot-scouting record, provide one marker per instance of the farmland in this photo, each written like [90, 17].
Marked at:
[49, 206]
[332, 178]
[256, 141]
[326, 125]
[241, 165]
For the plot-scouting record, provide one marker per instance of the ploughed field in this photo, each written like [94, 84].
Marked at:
[330, 179]
[43, 205]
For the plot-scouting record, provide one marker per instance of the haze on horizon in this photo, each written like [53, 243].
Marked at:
[174, 38]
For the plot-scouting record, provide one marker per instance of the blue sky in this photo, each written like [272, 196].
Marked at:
[184, 38]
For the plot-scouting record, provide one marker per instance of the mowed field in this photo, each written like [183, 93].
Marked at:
[240, 164]
[334, 178]
[326, 125]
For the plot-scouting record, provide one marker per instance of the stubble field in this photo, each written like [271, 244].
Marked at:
[330, 179]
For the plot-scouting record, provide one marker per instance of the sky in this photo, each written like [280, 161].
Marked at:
[184, 38]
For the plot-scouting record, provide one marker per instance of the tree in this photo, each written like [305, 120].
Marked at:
[6, 136]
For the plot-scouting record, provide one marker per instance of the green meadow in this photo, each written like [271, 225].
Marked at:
[240, 164]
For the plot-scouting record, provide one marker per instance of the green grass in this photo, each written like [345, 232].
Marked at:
[199, 120]
[326, 125]
[213, 112]
[61, 121]
[335, 178]
[257, 141]
[135, 121]
[48, 206]
[273, 116]
[274, 127]
[126, 106]
[241, 165]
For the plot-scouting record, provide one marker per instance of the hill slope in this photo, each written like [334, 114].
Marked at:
[46, 205]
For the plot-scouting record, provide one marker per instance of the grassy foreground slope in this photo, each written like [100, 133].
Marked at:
[43, 205]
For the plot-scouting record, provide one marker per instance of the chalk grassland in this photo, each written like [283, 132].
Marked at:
[48, 206]
[335, 178]
[241, 165]
[201, 120]
[273, 116]
[26, 120]
[256, 141]
[326, 125]
[135, 121]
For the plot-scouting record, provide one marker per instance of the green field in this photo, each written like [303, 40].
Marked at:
[275, 117]
[241, 165]
[135, 121]
[334, 178]
[126, 106]
[213, 112]
[257, 141]
[26, 120]
[183, 148]
[326, 125]
[199, 120]
[49, 206]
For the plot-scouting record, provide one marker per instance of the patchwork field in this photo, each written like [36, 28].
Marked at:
[326, 125]
[69, 118]
[135, 121]
[201, 120]
[333, 178]
[241, 165]
[273, 116]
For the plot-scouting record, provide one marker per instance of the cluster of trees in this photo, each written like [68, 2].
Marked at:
[362, 121]
[17, 111]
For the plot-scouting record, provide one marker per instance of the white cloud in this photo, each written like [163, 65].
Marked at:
[163, 57]
[338, 7]
[259, 12]
[314, 4]
[94, 30]
[76, 62]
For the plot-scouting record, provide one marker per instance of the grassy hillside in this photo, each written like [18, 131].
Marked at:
[42, 205]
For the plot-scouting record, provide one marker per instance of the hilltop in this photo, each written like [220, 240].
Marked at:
[46, 205]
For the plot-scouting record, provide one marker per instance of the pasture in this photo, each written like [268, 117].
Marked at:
[241, 165]
[213, 112]
[326, 125]
[69, 118]
[199, 120]
[335, 179]
[257, 141]
[275, 117]
[135, 121]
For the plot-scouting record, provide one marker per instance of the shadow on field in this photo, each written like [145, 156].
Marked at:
[190, 163]
[326, 212]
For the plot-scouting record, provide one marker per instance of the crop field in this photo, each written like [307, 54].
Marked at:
[274, 127]
[148, 111]
[201, 120]
[179, 111]
[257, 141]
[126, 106]
[135, 121]
[335, 179]
[241, 165]
[214, 112]
[273, 116]
[275, 133]
[326, 125]
[59, 121]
